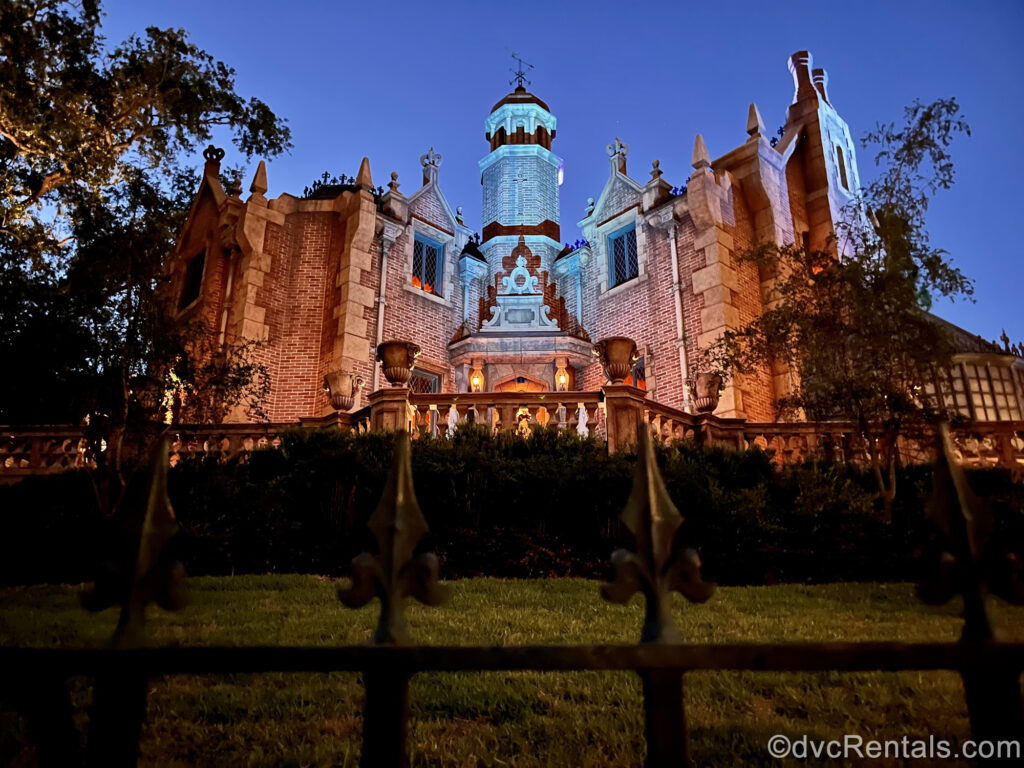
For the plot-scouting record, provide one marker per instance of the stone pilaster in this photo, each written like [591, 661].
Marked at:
[716, 281]
[353, 337]
[389, 409]
[624, 410]
[248, 310]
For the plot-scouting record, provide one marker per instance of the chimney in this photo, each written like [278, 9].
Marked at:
[820, 78]
[800, 66]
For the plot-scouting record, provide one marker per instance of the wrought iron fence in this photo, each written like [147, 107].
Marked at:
[659, 564]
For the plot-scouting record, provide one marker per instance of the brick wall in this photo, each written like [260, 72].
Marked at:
[413, 315]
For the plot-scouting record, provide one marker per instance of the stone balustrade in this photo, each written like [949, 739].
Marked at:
[42, 451]
[979, 444]
[612, 415]
[522, 412]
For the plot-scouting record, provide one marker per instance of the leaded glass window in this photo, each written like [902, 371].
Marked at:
[424, 383]
[622, 256]
[427, 265]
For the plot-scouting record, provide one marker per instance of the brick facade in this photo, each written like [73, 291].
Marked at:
[304, 275]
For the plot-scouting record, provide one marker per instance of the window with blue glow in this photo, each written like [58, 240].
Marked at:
[427, 265]
[622, 258]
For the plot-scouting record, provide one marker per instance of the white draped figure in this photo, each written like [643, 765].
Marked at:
[581, 421]
[453, 419]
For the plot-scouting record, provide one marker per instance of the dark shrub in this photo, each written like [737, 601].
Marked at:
[504, 506]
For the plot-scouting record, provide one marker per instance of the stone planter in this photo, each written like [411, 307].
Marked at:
[705, 389]
[341, 388]
[396, 360]
[617, 355]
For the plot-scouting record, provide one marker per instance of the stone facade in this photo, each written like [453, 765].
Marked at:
[321, 280]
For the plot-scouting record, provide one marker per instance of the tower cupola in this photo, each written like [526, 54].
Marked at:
[520, 118]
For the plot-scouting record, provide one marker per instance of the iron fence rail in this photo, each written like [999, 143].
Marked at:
[660, 564]
[759, 657]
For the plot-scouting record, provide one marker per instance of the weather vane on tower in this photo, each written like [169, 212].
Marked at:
[520, 73]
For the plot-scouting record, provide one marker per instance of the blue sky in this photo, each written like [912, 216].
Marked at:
[389, 80]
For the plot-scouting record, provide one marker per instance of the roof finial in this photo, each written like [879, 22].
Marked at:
[363, 178]
[520, 73]
[701, 158]
[259, 182]
[755, 123]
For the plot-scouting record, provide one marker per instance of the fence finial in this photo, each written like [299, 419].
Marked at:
[393, 574]
[659, 565]
[144, 573]
[968, 564]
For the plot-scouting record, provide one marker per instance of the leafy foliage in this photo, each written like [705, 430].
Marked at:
[849, 323]
[92, 200]
[73, 114]
[504, 506]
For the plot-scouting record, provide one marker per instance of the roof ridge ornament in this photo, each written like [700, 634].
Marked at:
[430, 158]
[617, 152]
[430, 162]
[519, 76]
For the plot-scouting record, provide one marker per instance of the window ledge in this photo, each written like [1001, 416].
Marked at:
[428, 296]
[623, 287]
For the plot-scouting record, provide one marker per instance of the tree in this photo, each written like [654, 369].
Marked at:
[92, 199]
[850, 322]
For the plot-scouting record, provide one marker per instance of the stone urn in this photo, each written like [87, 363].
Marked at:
[705, 389]
[617, 355]
[396, 359]
[341, 388]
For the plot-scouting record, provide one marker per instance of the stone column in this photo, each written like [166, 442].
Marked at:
[624, 413]
[389, 409]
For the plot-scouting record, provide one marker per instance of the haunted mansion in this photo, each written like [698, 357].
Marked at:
[322, 279]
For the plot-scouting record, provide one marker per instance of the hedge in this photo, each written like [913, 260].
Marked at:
[504, 506]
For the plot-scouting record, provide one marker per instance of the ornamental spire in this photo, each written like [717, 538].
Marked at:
[519, 73]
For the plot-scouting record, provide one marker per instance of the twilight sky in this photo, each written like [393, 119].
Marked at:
[388, 80]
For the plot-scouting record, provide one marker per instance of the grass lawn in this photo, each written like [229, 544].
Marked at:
[467, 720]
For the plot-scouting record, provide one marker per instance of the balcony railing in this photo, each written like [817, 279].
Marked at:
[611, 415]
[438, 414]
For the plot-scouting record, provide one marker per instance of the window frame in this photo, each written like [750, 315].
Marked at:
[191, 282]
[424, 375]
[844, 179]
[439, 247]
[610, 238]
